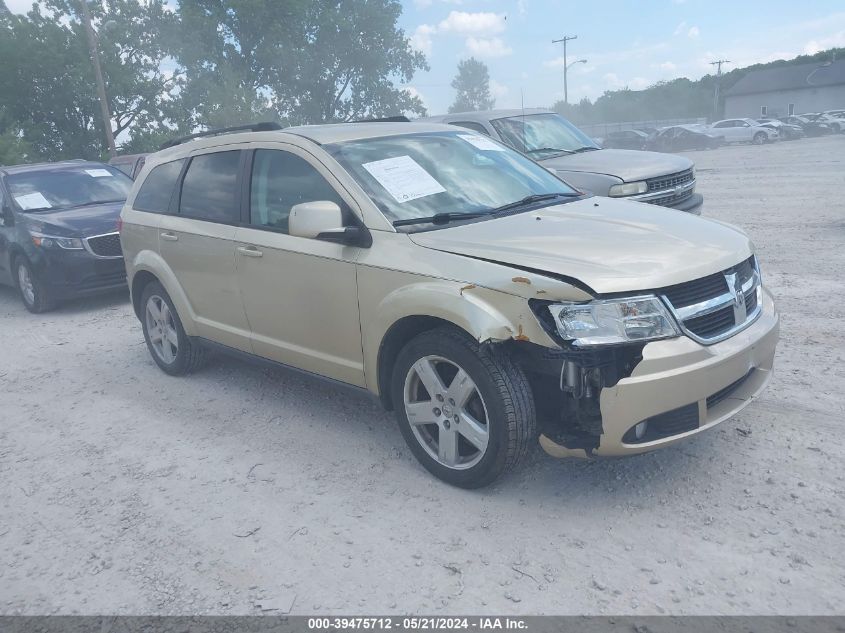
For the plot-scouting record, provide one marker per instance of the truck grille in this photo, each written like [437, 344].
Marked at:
[105, 245]
[668, 184]
[672, 180]
[715, 307]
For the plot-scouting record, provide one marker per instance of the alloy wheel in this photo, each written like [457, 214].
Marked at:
[26, 285]
[161, 329]
[446, 412]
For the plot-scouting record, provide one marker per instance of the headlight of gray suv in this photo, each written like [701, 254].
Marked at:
[628, 189]
[613, 321]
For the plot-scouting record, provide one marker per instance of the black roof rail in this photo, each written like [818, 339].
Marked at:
[386, 119]
[264, 126]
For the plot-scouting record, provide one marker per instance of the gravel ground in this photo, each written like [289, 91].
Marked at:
[242, 490]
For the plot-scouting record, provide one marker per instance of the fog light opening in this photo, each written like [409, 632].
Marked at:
[640, 430]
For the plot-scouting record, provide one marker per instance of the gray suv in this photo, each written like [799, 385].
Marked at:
[562, 148]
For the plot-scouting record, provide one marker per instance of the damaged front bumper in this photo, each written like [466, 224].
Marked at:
[679, 388]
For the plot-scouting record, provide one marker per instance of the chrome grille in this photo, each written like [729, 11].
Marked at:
[668, 182]
[712, 308]
[107, 245]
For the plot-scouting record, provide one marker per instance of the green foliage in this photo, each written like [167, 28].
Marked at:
[209, 63]
[674, 99]
[472, 85]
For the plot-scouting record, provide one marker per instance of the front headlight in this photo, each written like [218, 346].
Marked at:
[613, 321]
[628, 189]
[50, 241]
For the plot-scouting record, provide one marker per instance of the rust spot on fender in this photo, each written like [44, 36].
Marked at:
[521, 280]
[467, 287]
[520, 336]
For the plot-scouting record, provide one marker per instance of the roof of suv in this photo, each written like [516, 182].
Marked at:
[19, 169]
[488, 115]
[320, 134]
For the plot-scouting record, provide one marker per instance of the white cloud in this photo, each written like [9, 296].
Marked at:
[521, 7]
[19, 6]
[613, 82]
[464, 23]
[421, 39]
[492, 47]
[693, 32]
[817, 45]
[668, 66]
[680, 28]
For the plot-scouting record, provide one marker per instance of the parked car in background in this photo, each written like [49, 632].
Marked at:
[835, 123]
[810, 127]
[626, 139]
[129, 164]
[786, 131]
[558, 145]
[678, 138]
[744, 131]
[480, 297]
[59, 235]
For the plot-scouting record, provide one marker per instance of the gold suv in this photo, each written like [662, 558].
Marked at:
[483, 299]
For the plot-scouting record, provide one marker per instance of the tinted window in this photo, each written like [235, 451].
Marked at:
[126, 168]
[471, 125]
[281, 180]
[157, 189]
[210, 188]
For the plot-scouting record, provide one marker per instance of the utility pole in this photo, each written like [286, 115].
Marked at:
[565, 39]
[98, 72]
[718, 64]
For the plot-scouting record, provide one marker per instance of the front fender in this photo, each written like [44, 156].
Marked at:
[485, 314]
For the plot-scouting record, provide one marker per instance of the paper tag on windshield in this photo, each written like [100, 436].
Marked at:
[482, 143]
[33, 201]
[404, 178]
[99, 173]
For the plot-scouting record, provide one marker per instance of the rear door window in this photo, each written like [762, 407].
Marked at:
[157, 190]
[210, 188]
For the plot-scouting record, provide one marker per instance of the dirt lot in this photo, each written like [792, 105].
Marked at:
[238, 489]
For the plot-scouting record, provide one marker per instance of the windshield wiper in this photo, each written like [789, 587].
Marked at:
[537, 197]
[441, 218]
[549, 149]
[586, 148]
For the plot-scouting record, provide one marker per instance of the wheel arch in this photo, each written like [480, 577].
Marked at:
[148, 267]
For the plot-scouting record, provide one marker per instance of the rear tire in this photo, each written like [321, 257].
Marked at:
[34, 294]
[172, 350]
[480, 420]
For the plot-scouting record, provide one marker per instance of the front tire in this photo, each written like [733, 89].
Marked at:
[759, 138]
[171, 349]
[34, 294]
[465, 411]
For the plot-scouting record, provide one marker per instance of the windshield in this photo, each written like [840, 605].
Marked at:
[542, 135]
[64, 188]
[420, 175]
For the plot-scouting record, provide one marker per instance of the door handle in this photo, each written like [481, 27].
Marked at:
[249, 251]
[170, 237]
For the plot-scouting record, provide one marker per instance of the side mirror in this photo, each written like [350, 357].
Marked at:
[323, 220]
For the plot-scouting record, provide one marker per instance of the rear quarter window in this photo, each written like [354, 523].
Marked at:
[157, 189]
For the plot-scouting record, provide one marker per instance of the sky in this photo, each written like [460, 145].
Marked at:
[626, 43]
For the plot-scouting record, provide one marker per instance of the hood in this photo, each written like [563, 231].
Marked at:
[627, 164]
[609, 245]
[79, 222]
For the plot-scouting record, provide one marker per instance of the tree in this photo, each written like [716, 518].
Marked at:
[472, 84]
[54, 103]
[298, 61]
